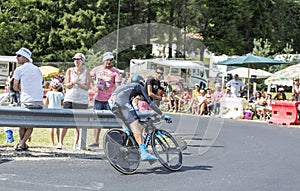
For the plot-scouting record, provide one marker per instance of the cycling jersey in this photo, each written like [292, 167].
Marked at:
[122, 99]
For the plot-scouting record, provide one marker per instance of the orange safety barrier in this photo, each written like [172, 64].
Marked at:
[285, 112]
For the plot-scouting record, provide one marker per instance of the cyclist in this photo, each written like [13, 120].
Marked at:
[123, 108]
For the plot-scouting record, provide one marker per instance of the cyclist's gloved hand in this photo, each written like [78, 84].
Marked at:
[168, 118]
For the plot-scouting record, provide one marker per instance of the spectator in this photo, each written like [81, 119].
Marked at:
[77, 84]
[107, 79]
[236, 85]
[14, 96]
[217, 96]
[253, 97]
[28, 81]
[61, 79]
[209, 101]
[54, 100]
[280, 94]
[263, 94]
[202, 103]
[153, 85]
[165, 102]
[168, 88]
[194, 101]
[259, 105]
[244, 90]
[296, 90]
[186, 95]
[262, 111]
[154, 89]
[46, 85]
[175, 102]
[229, 94]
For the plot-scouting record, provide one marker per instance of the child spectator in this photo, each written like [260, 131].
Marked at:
[54, 100]
[217, 96]
[175, 102]
[209, 100]
[202, 103]
[194, 101]
[259, 105]
[186, 95]
[267, 107]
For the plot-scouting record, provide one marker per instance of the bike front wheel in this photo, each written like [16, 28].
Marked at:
[166, 149]
[122, 151]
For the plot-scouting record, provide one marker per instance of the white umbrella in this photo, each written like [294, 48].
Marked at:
[243, 72]
[284, 76]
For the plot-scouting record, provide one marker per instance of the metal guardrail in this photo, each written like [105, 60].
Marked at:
[62, 118]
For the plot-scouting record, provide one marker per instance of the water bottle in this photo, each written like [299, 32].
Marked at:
[9, 135]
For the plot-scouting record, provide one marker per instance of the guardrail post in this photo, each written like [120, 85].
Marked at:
[82, 137]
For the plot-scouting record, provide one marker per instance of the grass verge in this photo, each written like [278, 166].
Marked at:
[41, 138]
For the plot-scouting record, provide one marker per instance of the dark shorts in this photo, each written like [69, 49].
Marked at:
[174, 101]
[101, 105]
[71, 105]
[126, 112]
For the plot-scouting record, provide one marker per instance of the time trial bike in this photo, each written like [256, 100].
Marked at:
[122, 150]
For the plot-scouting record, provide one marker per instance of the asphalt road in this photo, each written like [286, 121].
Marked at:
[222, 155]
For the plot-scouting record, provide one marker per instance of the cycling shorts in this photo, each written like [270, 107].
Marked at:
[124, 110]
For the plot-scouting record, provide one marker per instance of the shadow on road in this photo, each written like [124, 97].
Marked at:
[163, 170]
[214, 146]
[3, 160]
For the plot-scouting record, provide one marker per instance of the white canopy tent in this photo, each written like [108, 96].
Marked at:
[180, 64]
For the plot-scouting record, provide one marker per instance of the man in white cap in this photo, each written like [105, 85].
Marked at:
[106, 79]
[29, 81]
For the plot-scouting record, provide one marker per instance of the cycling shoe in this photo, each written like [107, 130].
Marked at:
[145, 156]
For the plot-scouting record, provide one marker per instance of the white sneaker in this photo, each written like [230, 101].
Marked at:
[59, 146]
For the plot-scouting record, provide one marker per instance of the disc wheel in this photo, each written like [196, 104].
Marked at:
[166, 149]
[122, 151]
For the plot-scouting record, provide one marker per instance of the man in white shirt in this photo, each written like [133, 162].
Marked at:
[236, 85]
[28, 80]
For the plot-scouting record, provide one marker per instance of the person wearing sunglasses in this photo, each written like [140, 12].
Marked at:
[28, 81]
[106, 78]
[77, 84]
[154, 87]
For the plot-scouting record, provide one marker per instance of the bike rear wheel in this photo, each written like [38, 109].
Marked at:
[122, 151]
[166, 149]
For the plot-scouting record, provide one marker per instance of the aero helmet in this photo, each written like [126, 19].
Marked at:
[138, 79]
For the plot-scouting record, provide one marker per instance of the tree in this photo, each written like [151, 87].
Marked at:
[55, 30]
[261, 48]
